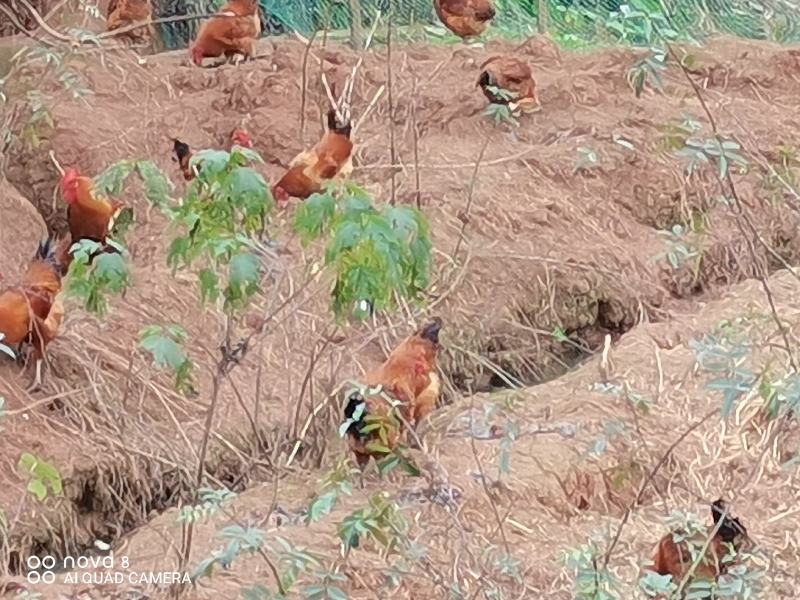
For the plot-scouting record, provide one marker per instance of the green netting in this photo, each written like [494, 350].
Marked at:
[573, 23]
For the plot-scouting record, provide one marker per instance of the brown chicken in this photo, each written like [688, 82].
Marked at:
[512, 75]
[329, 158]
[32, 311]
[671, 558]
[90, 216]
[465, 18]
[232, 31]
[408, 375]
[122, 13]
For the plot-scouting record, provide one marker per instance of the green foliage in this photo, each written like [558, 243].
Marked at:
[92, 276]
[781, 179]
[293, 561]
[226, 205]
[647, 71]
[211, 501]
[336, 484]
[680, 249]
[43, 478]
[675, 134]
[721, 153]
[375, 253]
[727, 363]
[381, 521]
[326, 589]
[39, 120]
[239, 540]
[592, 582]
[111, 182]
[500, 111]
[164, 344]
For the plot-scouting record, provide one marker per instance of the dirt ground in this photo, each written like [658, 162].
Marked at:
[546, 247]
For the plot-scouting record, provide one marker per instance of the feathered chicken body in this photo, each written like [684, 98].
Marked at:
[232, 30]
[32, 311]
[122, 13]
[512, 75]
[89, 215]
[329, 158]
[409, 376]
[465, 18]
[675, 558]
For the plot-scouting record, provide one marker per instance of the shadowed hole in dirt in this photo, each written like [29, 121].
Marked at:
[536, 350]
[107, 502]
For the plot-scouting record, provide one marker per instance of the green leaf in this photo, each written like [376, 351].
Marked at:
[247, 182]
[210, 163]
[37, 488]
[166, 352]
[313, 215]
[111, 181]
[244, 278]
[156, 186]
[209, 285]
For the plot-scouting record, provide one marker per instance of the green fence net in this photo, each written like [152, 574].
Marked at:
[573, 23]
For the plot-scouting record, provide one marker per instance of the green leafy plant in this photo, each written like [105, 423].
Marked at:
[500, 111]
[592, 581]
[336, 484]
[326, 589]
[721, 153]
[726, 361]
[240, 540]
[211, 501]
[375, 253]
[381, 521]
[675, 134]
[225, 207]
[680, 250]
[43, 478]
[94, 274]
[164, 344]
[647, 71]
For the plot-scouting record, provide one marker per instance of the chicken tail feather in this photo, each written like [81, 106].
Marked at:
[47, 252]
[334, 125]
[353, 402]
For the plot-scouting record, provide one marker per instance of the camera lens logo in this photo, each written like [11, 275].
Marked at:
[40, 570]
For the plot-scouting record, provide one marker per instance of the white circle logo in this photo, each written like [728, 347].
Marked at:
[34, 563]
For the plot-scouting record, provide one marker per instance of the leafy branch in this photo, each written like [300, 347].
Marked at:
[376, 254]
[164, 344]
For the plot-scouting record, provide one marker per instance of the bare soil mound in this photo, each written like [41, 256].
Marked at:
[551, 244]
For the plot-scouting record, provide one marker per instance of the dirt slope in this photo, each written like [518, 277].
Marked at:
[546, 246]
